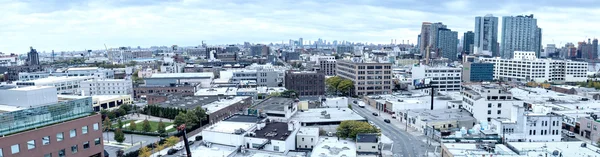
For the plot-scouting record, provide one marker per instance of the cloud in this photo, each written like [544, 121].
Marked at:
[89, 24]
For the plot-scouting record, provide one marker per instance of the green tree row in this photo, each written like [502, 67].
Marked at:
[192, 118]
[163, 112]
[112, 114]
[349, 129]
[340, 85]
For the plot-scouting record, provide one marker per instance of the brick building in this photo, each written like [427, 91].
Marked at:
[305, 82]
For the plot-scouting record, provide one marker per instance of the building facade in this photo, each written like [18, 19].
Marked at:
[520, 33]
[477, 72]
[442, 78]
[33, 57]
[63, 84]
[447, 44]
[527, 67]
[11, 73]
[468, 41]
[305, 82]
[526, 126]
[368, 77]
[486, 34]
[327, 67]
[488, 101]
[107, 87]
[142, 91]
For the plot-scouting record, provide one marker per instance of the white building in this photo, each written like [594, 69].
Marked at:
[63, 84]
[172, 67]
[526, 126]
[91, 71]
[6, 61]
[337, 102]
[107, 87]
[334, 147]
[525, 66]
[442, 78]
[307, 137]
[488, 101]
[26, 97]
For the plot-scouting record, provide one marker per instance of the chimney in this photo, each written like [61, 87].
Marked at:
[291, 126]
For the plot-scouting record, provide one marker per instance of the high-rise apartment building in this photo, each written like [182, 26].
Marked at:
[525, 66]
[259, 50]
[424, 37]
[447, 44]
[486, 35]
[468, 41]
[33, 57]
[434, 31]
[585, 50]
[595, 49]
[520, 33]
[369, 77]
[550, 50]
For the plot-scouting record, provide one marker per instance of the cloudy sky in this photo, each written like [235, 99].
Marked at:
[67, 25]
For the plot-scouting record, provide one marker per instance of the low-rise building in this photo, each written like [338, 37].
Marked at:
[165, 79]
[107, 87]
[11, 73]
[442, 78]
[278, 108]
[527, 126]
[335, 147]
[516, 149]
[305, 83]
[142, 91]
[63, 84]
[443, 120]
[110, 101]
[307, 138]
[367, 144]
[326, 116]
[217, 107]
[589, 127]
[488, 101]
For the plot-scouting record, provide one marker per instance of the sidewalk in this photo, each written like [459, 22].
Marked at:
[143, 117]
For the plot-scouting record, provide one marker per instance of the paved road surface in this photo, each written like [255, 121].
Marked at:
[405, 144]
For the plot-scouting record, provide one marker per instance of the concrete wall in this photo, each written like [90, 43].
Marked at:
[223, 138]
[366, 147]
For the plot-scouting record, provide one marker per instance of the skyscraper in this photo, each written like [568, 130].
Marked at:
[32, 57]
[433, 36]
[468, 41]
[424, 37]
[447, 43]
[486, 34]
[520, 33]
[595, 48]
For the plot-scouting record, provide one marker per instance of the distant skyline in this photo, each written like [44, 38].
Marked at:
[89, 24]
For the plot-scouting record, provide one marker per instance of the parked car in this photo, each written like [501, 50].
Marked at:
[178, 148]
[171, 151]
[387, 120]
[190, 142]
[571, 134]
[375, 114]
[394, 117]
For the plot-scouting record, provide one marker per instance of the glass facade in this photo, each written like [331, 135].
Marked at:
[482, 72]
[12, 122]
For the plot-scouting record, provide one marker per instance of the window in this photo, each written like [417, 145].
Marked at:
[74, 149]
[61, 153]
[97, 141]
[276, 148]
[499, 105]
[84, 130]
[59, 136]
[302, 138]
[359, 147]
[73, 133]
[489, 111]
[1, 154]
[489, 105]
[373, 147]
[595, 127]
[48, 155]
[30, 144]
[95, 126]
[46, 140]
[499, 112]
[311, 139]
[86, 144]
[14, 149]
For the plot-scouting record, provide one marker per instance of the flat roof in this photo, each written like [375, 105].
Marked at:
[55, 79]
[183, 75]
[244, 118]
[523, 149]
[442, 115]
[82, 68]
[308, 131]
[313, 115]
[229, 127]
[274, 131]
[31, 88]
[222, 103]
[215, 150]
[109, 97]
[332, 147]
[274, 104]
[9, 108]
[217, 91]
[367, 138]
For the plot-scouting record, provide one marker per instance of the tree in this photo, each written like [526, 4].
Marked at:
[289, 94]
[119, 136]
[161, 127]
[125, 107]
[106, 126]
[350, 106]
[121, 112]
[274, 94]
[179, 119]
[146, 126]
[200, 114]
[111, 115]
[332, 83]
[132, 126]
[191, 119]
[344, 86]
[119, 124]
[131, 63]
[349, 129]
[144, 152]
[171, 141]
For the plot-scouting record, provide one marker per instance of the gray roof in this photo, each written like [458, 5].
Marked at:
[442, 115]
[366, 138]
[274, 131]
[274, 104]
[243, 118]
[188, 102]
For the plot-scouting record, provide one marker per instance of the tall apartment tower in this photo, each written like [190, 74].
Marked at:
[447, 44]
[486, 34]
[434, 36]
[595, 48]
[468, 41]
[520, 33]
[32, 57]
[424, 37]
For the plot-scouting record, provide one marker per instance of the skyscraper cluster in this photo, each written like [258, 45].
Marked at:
[520, 33]
[436, 37]
[486, 35]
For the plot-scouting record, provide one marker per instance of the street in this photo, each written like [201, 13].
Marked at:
[405, 144]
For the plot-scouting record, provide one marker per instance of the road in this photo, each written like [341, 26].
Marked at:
[405, 144]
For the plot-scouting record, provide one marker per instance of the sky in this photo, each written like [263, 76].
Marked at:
[76, 25]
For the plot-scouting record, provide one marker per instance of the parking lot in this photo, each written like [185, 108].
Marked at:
[113, 148]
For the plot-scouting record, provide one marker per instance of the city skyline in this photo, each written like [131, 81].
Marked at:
[81, 25]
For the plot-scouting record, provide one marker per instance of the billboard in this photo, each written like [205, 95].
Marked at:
[424, 82]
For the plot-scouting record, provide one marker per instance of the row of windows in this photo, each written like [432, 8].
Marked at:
[31, 144]
[544, 132]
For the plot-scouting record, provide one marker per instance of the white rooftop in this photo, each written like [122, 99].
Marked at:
[9, 108]
[215, 150]
[524, 149]
[55, 79]
[313, 115]
[82, 68]
[332, 147]
[217, 91]
[101, 98]
[553, 99]
[229, 127]
[31, 88]
[182, 75]
[222, 103]
[308, 131]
